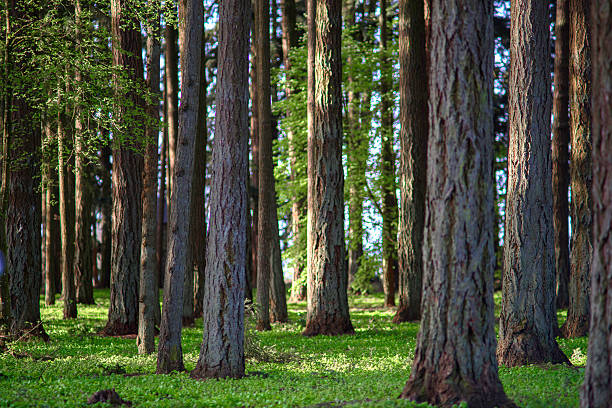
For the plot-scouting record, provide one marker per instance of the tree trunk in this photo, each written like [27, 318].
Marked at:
[597, 386]
[560, 155]
[172, 102]
[66, 204]
[127, 182]
[52, 266]
[577, 324]
[105, 221]
[222, 352]
[82, 191]
[253, 187]
[528, 317]
[161, 207]
[170, 354]
[148, 295]
[197, 227]
[413, 158]
[455, 353]
[327, 309]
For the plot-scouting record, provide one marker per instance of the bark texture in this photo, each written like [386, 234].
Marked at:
[597, 386]
[581, 176]
[327, 308]
[222, 352]
[253, 185]
[171, 57]
[126, 183]
[455, 354]
[413, 158]
[148, 299]
[528, 316]
[170, 354]
[560, 152]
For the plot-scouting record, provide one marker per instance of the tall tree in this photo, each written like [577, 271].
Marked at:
[127, 177]
[577, 323]
[105, 216]
[327, 309]
[253, 185]
[560, 152]
[148, 299]
[455, 354]
[413, 158]
[51, 247]
[222, 352]
[528, 315]
[170, 354]
[389, 199]
[171, 58]
[597, 386]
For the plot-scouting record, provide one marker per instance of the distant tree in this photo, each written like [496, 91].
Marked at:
[560, 151]
[413, 158]
[597, 386]
[105, 215]
[126, 175]
[528, 315]
[51, 248]
[327, 311]
[455, 353]
[222, 351]
[577, 324]
[170, 354]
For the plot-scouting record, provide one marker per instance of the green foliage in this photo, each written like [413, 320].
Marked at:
[368, 266]
[369, 368]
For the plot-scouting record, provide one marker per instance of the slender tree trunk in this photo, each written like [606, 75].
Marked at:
[50, 222]
[389, 199]
[126, 181]
[528, 316]
[105, 221]
[455, 354]
[560, 155]
[148, 296]
[254, 133]
[577, 324]
[170, 354]
[597, 386]
[222, 352]
[413, 158]
[327, 309]
[198, 206]
[172, 102]
[161, 207]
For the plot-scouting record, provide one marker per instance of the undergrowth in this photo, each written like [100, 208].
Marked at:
[283, 368]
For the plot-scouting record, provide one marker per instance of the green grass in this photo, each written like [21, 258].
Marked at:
[369, 368]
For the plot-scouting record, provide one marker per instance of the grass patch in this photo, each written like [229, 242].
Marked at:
[368, 369]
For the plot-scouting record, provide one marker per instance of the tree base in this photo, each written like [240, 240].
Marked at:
[526, 348]
[263, 326]
[436, 388]
[335, 327]
[115, 328]
[406, 314]
[573, 328]
[201, 372]
[188, 321]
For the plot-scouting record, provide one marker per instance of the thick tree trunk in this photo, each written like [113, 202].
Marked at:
[597, 386]
[170, 354]
[171, 57]
[327, 309]
[389, 199]
[577, 323]
[82, 192]
[197, 228]
[126, 183]
[560, 152]
[455, 353]
[66, 205]
[528, 316]
[148, 296]
[105, 221]
[222, 352]
[413, 158]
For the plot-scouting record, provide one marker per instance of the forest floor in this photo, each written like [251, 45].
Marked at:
[284, 368]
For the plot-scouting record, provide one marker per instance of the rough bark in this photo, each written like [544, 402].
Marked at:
[126, 182]
[105, 221]
[389, 199]
[222, 352]
[170, 354]
[528, 316]
[577, 323]
[66, 205]
[413, 158]
[455, 353]
[560, 152]
[327, 308]
[171, 57]
[597, 386]
[148, 295]
[254, 136]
